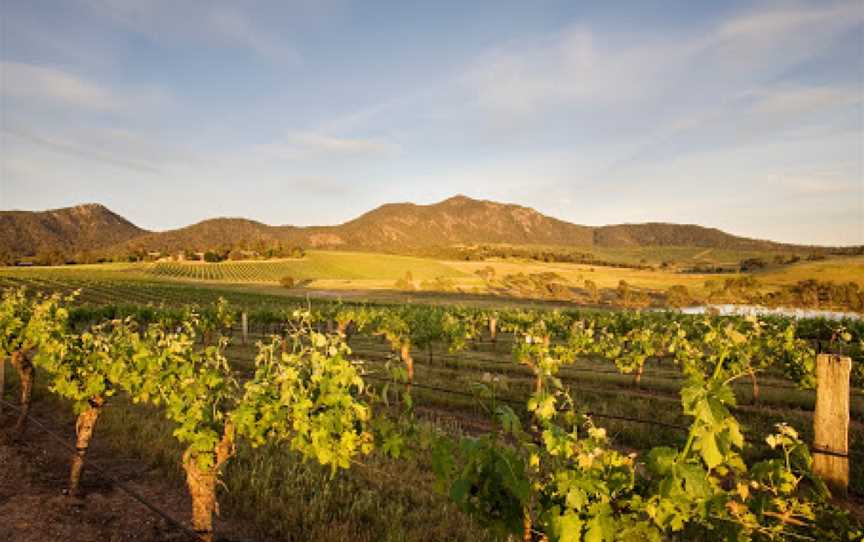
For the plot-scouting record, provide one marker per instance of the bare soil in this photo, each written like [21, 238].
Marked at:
[34, 506]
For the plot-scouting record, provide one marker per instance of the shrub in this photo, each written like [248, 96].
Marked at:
[288, 281]
[406, 282]
[678, 296]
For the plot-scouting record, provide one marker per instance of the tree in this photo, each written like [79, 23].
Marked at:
[625, 294]
[678, 296]
[6, 257]
[50, 257]
[406, 282]
[593, 291]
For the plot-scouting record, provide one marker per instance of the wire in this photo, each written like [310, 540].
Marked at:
[107, 477]
[520, 403]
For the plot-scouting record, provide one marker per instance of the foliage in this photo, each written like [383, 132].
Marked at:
[306, 392]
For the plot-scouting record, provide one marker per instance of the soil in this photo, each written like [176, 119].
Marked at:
[34, 506]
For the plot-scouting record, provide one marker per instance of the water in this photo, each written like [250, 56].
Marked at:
[758, 310]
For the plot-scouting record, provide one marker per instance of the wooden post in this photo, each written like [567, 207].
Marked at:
[831, 421]
[244, 323]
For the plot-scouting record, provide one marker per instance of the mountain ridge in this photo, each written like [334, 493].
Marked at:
[392, 227]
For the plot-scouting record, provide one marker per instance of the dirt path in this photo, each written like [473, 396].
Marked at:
[34, 507]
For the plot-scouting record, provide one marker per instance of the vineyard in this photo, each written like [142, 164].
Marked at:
[538, 425]
[316, 265]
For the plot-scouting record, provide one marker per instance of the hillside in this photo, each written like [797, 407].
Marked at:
[209, 234]
[681, 235]
[71, 229]
[396, 228]
[457, 220]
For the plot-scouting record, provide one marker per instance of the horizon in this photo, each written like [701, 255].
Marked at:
[745, 117]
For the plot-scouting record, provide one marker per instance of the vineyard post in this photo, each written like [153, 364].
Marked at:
[244, 323]
[831, 421]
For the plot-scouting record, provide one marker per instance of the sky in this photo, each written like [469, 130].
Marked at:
[737, 115]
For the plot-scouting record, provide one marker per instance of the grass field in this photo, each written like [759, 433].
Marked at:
[357, 274]
[395, 500]
[655, 255]
[317, 265]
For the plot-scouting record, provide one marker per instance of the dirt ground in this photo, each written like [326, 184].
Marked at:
[35, 508]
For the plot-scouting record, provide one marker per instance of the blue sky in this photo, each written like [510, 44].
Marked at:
[738, 115]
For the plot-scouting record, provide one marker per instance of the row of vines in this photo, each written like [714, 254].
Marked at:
[545, 472]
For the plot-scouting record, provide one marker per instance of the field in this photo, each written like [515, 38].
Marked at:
[353, 273]
[272, 494]
[316, 266]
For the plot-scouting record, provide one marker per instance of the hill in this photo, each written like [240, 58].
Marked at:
[662, 234]
[86, 227]
[396, 228]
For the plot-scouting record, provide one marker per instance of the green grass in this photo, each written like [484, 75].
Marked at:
[369, 276]
[282, 496]
[315, 266]
[837, 269]
[655, 255]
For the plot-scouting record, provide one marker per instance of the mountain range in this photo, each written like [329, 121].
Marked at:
[394, 227]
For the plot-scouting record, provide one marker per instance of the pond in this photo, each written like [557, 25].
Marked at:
[730, 309]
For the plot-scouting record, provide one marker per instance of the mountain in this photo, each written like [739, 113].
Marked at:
[206, 235]
[682, 235]
[394, 227]
[457, 220]
[71, 229]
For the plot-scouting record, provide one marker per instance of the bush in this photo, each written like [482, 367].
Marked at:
[406, 282]
[288, 282]
[678, 296]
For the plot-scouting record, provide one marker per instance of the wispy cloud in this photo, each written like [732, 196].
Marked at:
[212, 23]
[576, 67]
[312, 145]
[49, 85]
[30, 82]
[139, 152]
[802, 100]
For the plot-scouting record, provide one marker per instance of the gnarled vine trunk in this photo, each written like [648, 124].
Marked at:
[202, 484]
[527, 536]
[755, 384]
[22, 363]
[493, 331]
[84, 431]
[408, 360]
[637, 377]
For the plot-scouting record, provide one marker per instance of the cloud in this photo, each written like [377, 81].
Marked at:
[88, 153]
[31, 82]
[202, 21]
[576, 68]
[802, 100]
[48, 85]
[809, 183]
[310, 145]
